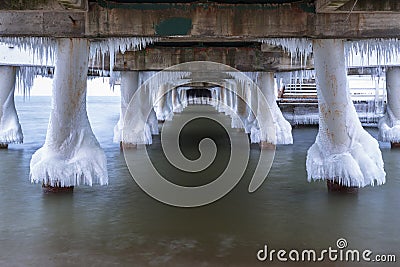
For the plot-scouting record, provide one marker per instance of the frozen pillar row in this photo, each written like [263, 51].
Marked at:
[389, 125]
[10, 128]
[344, 154]
[71, 155]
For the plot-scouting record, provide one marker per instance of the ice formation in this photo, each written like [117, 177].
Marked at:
[25, 76]
[42, 48]
[111, 46]
[10, 128]
[377, 52]
[140, 118]
[129, 85]
[300, 49]
[71, 155]
[283, 129]
[343, 151]
[389, 125]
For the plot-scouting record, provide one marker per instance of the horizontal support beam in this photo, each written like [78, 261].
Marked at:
[200, 22]
[42, 23]
[329, 5]
[243, 58]
[357, 6]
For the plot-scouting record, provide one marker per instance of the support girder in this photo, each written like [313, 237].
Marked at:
[200, 22]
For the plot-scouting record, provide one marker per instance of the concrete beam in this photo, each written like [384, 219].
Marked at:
[323, 6]
[42, 23]
[201, 22]
[74, 4]
[242, 58]
[359, 6]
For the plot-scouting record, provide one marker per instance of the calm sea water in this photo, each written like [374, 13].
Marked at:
[120, 225]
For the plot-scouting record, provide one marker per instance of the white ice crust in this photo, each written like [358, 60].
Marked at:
[10, 128]
[389, 125]
[343, 151]
[71, 155]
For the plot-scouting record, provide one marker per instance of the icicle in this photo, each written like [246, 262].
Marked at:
[41, 47]
[300, 49]
[372, 52]
[111, 46]
[25, 77]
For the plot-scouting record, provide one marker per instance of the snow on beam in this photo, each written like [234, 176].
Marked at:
[283, 129]
[10, 128]
[71, 155]
[343, 153]
[389, 125]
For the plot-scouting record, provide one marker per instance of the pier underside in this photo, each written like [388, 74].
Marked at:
[262, 37]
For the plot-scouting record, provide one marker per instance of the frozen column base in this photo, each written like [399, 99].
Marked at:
[267, 146]
[360, 166]
[48, 189]
[3, 146]
[389, 128]
[123, 145]
[12, 136]
[87, 165]
[334, 186]
[394, 144]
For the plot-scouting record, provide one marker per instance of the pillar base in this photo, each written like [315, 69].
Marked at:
[394, 145]
[334, 186]
[129, 146]
[3, 146]
[48, 189]
[266, 145]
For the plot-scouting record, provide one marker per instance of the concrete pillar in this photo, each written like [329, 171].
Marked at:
[221, 99]
[129, 85]
[241, 107]
[344, 154]
[283, 129]
[176, 101]
[163, 110]
[71, 155]
[389, 125]
[10, 128]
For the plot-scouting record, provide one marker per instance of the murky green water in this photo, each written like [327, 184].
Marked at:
[121, 225]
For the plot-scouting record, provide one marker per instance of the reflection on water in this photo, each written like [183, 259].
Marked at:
[121, 225]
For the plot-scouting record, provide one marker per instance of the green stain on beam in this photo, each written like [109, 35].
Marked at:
[174, 26]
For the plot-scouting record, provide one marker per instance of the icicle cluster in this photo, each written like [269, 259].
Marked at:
[372, 51]
[41, 47]
[26, 75]
[111, 46]
[300, 49]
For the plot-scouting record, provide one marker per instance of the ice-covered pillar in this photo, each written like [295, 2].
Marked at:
[283, 129]
[164, 111]
[344, 153]
[129, 85]
[389, 125]
[71, 155]
[176, 101]
[10, 128]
